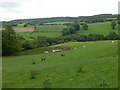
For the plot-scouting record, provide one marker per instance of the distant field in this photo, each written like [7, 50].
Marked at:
[47, 31]
[28, 35]
[19, 25]
[21, 29]
[98, 28]
[50, 28]
[93, 66]
[58, 22]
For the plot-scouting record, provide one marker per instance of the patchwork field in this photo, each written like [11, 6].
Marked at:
[21, 29]
[90, 65]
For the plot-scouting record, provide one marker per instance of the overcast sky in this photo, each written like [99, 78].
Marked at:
[24, 9]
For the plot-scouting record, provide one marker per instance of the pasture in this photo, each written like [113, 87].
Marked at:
[47, 31]
[98, 28]
[92, 66]
[62, 22]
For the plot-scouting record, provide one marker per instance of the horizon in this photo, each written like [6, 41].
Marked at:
[20, 9]
[57, 17]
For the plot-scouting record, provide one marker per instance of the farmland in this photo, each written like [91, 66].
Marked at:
[98, 28]
[55, 30]
[85, 67]
[50, 53]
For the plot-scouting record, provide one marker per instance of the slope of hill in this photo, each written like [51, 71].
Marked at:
[90, 65]
[98, 28]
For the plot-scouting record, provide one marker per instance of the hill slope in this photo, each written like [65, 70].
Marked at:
[90, 65]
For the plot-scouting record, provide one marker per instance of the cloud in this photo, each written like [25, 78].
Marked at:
[10, 5]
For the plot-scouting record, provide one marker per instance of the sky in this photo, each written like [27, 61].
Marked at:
[25, 9]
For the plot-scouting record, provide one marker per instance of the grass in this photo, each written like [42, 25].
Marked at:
[62, 22]
[29, 36]
[19, 25]
[98, 28]
[81, 68]
[50, 28]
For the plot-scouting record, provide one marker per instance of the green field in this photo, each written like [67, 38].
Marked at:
[28, 35]
[50, 28]
[62, 22]
[93, 66]
[98, 28]
[47, 31]
[19, 25]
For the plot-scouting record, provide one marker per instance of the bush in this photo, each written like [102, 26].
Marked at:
[28, 45]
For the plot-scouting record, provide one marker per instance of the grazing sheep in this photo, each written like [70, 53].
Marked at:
[46, 51]
[75, 48]
[84, 46]
[62, 54]
[112, 41]
[43, 59]
[33, 62]
[57, 50]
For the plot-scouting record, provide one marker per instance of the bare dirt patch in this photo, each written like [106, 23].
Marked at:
[21, 29]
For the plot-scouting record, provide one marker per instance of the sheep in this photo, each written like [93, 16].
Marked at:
[43, 59]
[62, 54]
[46, 51]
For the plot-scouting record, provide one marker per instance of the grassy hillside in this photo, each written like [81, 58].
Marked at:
[90, 65]
[98, 28]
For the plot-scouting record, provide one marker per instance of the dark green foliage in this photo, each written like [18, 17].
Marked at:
[76, 26]
[113, 24]
[43, 59]
[112, 36]
[68, 30]
[85, 26]
[10, 44]
[62, 54]
[28, 45]
[71, 29]
[41, 42]
[25, 25]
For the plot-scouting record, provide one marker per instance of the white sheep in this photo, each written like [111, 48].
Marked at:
[84, 46]
[75, 48]
[46, 51]
[112, 41]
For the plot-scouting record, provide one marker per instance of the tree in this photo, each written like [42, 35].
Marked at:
[85, 26]
[28, 45]
[65, 31]
[10, 44]
[76, 26]
[113, 24]
[112, 36]
[25, 25]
